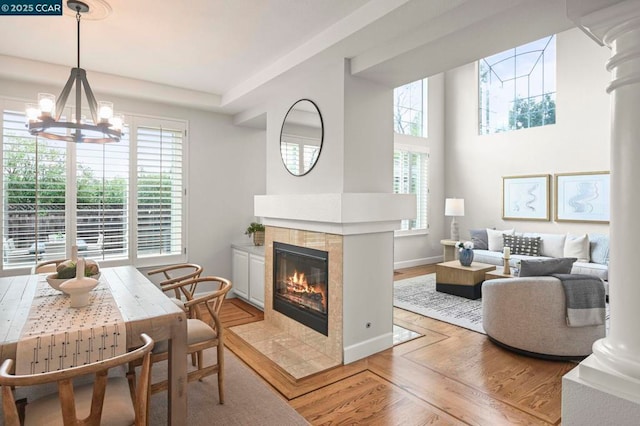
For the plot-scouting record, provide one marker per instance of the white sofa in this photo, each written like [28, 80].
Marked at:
[592, 254]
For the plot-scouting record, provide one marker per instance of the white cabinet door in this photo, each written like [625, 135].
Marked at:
[256, 280]
[240, 271]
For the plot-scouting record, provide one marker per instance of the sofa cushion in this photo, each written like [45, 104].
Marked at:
[479, 238]
[543, 267]
[494, 238]
[599, 248]
[577, 246]
[529, 246]
[551, 245]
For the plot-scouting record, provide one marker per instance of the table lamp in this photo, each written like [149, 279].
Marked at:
[454, 207]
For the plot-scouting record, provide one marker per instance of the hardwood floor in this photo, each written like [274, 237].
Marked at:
[450, 375]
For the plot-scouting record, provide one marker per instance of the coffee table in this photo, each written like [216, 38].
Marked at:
[464, 281]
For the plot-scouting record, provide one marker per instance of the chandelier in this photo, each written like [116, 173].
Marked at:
[43, 119]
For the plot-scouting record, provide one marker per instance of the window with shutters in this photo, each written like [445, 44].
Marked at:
[410, 166]
[410, 160]
[127, 206]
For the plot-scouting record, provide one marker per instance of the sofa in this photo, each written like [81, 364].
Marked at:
[529, 315]
[590, 250]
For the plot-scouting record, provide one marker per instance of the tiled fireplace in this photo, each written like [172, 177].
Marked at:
[299, 348]
[353, 232]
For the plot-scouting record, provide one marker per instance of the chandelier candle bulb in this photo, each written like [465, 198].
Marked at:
[47, 104]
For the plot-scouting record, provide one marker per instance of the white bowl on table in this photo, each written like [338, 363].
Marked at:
[55, 282]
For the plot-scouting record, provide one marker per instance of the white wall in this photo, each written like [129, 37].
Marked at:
[579, 142]
[325, 87]
[226, 169]
[467, 165]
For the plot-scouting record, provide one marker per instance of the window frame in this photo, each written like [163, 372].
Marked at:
[548, 91]
[132, 257]
[423, 111]
[402, 144]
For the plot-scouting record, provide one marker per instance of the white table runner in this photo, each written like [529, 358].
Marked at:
[56, 336]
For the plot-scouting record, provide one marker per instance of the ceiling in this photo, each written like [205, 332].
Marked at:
[220, 54]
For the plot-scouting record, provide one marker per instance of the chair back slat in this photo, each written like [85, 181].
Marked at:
[66, 396]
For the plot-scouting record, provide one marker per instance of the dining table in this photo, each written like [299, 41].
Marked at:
[124, 293]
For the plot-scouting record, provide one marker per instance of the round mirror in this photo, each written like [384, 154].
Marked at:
[301, 137]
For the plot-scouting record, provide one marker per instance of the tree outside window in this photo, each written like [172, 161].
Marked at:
[409, 108]
[517, 87]
[38, 206]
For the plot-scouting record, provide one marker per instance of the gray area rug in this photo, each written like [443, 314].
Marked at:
[247, 401]
[419, 295]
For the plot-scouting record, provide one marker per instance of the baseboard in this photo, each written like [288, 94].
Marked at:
[368, 347]
[417, 262]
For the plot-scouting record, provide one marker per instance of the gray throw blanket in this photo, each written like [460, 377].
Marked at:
[585, 296]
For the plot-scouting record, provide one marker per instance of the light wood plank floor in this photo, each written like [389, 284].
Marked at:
[450, 375]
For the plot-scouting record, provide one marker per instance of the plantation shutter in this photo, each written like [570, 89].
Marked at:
[33, 205]
[410, 177]
[102, 214]
[160, 189]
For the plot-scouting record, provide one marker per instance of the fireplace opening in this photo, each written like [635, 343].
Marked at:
[300, 285]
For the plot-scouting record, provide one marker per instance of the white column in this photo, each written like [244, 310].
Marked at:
[606, 386]
[620, 350]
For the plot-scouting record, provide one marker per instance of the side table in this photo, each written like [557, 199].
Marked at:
[449, 250]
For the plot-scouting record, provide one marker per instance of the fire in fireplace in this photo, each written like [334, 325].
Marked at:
[300, 285]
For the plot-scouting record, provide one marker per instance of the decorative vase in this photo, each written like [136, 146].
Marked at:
[79, 287]
[466, 257]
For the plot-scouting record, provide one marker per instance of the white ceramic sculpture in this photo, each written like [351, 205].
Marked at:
[79, 287]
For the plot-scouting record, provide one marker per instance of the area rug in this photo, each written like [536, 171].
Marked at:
[419, 295]
[248, 400]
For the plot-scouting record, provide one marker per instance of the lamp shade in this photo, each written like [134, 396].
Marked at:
[454, 207]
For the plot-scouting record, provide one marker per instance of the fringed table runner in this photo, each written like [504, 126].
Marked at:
[56, 336]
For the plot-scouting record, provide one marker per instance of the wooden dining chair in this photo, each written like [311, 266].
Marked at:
[174, 274]
[204, 331]
[107, 400]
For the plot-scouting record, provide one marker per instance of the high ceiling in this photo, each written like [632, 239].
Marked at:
[221, 51]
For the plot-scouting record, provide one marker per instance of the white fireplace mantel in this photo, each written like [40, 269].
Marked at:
[339, 213]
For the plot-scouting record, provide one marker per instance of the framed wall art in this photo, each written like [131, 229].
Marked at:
[582, 197]
[525, 197]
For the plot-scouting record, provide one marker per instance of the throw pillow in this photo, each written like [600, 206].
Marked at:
[577, 246]
[542, 267]
[529, 246]
[494, 238]
[551, 245]
[479, 239]
[599, 248]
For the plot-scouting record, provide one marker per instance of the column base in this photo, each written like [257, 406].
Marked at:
[593, 394]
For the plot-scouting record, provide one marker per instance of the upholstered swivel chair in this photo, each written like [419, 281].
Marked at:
[529, 315]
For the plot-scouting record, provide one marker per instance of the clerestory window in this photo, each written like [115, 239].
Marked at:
[517, 87]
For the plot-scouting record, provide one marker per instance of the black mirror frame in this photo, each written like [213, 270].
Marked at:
[321, 137]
